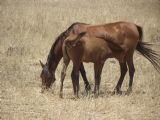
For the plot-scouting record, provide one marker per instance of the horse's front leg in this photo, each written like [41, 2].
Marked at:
[98, 70]
[83, 73]
[63, 74]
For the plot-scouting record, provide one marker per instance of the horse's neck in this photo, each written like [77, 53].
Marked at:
[55, 56]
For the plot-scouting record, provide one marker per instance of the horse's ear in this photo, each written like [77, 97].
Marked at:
[41, 63]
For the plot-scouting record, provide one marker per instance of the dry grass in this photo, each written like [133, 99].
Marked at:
[27, 30]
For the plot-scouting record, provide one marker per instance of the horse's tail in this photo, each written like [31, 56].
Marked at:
[64, 50]
[145, 50]
[78, 38]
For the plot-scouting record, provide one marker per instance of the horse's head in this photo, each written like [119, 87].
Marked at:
[47, 77]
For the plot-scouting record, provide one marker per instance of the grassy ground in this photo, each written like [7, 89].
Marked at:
[27, 30]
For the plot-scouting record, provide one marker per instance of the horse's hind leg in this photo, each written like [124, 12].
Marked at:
[73, 81]
[83, 73]
[131, 72]
[98, 70]
[63, 74]
[75, 78]
[123, 69]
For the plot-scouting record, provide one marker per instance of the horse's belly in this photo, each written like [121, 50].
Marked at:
[94, 56]
[88, 58]
[95, 50]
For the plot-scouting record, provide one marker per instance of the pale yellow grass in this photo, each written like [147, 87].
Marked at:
[27, 31]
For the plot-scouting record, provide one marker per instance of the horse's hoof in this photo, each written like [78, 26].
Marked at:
[96, 95]
[88, 87]
[129, 91]
[117, 92]
[42, 90]
[60, 95]
[113, 93]
[76, 97]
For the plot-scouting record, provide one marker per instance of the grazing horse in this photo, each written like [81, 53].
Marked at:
[119, 41]
[54, 57]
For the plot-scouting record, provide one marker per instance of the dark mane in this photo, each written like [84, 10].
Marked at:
[61, 37]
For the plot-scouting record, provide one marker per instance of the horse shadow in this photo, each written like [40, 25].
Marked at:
[109, 93]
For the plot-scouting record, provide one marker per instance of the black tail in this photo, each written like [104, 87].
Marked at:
[147, 52]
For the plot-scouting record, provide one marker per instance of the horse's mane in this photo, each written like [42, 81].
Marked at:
[61, 37]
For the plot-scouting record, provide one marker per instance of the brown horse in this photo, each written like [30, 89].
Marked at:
[114, 40]
[54, 57]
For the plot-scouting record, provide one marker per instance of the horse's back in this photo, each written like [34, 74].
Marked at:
[107, 40]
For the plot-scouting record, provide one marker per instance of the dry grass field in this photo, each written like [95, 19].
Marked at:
[28, 28]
